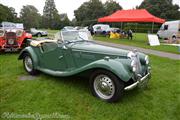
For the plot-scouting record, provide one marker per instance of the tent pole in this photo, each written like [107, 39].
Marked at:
[152, 26]
[121, 25]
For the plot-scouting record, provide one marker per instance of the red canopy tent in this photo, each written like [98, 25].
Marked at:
[141, 15]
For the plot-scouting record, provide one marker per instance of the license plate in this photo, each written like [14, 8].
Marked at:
[11, 50]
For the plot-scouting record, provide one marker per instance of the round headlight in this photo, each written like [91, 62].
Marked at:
[19, 33]
[133, 65]
[147, 59]
[2, 33]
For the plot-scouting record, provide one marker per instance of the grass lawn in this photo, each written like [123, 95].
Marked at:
[139, 40]
[71, 96]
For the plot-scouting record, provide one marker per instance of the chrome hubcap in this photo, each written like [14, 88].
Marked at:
[28, 63]
[104, 87]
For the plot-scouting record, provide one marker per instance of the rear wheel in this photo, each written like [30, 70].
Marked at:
[173, 38]
[28, 64]
[106, 86]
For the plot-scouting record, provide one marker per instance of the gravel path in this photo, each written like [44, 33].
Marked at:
[147, 51]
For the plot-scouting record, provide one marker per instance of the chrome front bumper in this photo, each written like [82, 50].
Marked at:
[141, 82]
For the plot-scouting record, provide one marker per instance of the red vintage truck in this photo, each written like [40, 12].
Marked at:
[13, 37]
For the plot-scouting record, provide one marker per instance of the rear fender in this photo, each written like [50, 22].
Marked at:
[32, 54]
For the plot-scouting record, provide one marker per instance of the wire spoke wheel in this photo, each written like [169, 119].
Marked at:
[28, 63]
[104, 86]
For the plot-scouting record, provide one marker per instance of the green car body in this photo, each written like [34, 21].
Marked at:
[67, 58]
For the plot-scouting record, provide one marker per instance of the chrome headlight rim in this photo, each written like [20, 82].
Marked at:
[2, 32]
[19, 33]
[132, 55]
[146, 59]
[133, 66]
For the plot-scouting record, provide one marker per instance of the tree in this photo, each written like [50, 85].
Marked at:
[64, 20]
[161, 8]
[51, 18]
[7, 14]
[111, 6]
[30, 17]
[89, 11]
[15, 18]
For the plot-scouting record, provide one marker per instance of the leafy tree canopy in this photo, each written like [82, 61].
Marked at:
[51, 18]
[161, 8]
[89, 11]
[7, 14]
[30, 17]
[111, 6]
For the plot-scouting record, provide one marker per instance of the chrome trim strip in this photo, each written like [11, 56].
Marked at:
[130, 87]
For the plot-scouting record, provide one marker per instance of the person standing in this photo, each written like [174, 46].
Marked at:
[130, 34]
[90, 28]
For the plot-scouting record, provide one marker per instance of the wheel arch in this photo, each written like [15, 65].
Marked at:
[173, 36]
[38, 33]
[30, 51]
[25, 42]
[115, 67]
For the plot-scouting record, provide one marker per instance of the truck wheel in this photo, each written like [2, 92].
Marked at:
[39, 35]
[106, 86]
[28, 64]
[174, 38]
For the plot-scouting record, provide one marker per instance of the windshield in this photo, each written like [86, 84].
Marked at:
[75, 35]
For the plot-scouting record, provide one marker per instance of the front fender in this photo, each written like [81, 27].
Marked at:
[32, 54]
[28, 36]
[114, 66]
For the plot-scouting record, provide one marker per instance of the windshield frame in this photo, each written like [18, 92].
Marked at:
[74, 40]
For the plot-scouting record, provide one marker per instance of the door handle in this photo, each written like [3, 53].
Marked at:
[60, 57]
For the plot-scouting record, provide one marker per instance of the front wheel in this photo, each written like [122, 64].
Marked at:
[28, 64]
[106, 86]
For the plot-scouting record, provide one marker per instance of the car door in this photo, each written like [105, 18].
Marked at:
[52, 56]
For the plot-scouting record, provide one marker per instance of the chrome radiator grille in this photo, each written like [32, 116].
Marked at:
[11, 38]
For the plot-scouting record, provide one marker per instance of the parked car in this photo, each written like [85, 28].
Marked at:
[13, 37]
[101, 28]
[38, 33]
[66, 28]
[170, 29]
[111, 70]
[113, 30]
[116, 30]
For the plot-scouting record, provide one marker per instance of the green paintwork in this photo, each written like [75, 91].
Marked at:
[66, 59]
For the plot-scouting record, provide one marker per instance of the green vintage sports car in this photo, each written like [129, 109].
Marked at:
[111, 71]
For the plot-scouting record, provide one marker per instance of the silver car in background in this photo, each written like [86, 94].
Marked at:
[38, 33]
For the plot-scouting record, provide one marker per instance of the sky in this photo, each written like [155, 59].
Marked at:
[67, 6]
